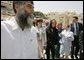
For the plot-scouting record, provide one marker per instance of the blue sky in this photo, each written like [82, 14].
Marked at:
[59, 6]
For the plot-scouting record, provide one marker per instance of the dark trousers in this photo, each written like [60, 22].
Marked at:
[52, 49]
[57, 49]
[75, 43]
[81, 54]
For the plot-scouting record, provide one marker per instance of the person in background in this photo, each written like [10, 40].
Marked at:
[81, 44]
[59, 28]
[47, 24]
[52, 38]
[40, 37]
[65, 42]
[34, 27]
[76, 27]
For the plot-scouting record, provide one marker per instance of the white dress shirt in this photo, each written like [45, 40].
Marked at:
[17, 44]
[76, 28]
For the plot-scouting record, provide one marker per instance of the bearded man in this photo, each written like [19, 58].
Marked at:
[18, 40]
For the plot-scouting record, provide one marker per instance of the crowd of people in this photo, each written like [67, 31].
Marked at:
[22, 39]
[60, 41]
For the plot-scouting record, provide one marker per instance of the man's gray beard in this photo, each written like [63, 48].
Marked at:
[24, 21]
[29, 22]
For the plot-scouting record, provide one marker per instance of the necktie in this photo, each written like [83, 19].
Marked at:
[77, 29]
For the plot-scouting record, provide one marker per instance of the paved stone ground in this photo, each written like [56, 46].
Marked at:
[57, 58]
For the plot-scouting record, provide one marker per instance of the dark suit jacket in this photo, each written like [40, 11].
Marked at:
[80, 27]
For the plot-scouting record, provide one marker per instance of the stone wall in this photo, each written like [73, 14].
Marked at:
[6, 9]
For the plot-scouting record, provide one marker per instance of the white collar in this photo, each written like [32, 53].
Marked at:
[14, 24]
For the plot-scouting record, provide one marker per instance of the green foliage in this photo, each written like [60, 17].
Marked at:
[39, 14]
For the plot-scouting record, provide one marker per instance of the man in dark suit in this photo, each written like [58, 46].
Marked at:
[76, 27]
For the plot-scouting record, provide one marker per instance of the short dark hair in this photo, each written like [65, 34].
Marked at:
[39, 20]
[20, 3]
[75, 17]
[68, 26]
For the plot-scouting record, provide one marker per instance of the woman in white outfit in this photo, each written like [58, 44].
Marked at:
[65, 42]
[40, 37]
